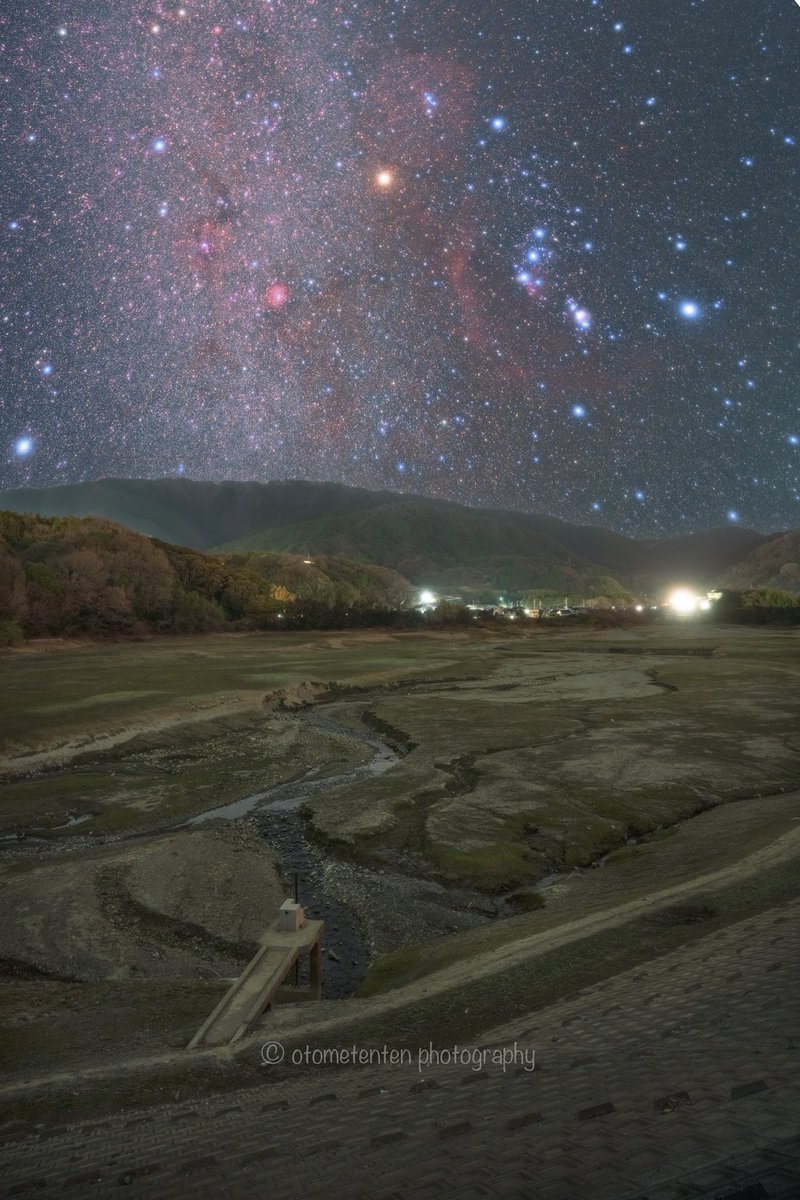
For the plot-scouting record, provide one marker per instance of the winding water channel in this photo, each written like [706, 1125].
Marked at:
[278, 812]
[366, 910]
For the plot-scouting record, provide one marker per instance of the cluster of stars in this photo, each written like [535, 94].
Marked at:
[543, 257]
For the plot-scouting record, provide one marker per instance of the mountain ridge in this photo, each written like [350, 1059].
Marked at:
[436, 543]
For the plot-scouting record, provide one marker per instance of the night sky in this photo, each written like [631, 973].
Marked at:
[543, 255]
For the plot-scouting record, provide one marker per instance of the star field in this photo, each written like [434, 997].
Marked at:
[540, 254]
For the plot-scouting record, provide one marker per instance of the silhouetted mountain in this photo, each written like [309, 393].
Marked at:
[434, 543]
[189, 512]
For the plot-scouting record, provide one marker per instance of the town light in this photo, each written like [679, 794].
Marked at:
[683, 601]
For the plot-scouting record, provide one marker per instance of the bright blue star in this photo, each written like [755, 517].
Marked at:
[46, 369]
[158, 145]
[640, 495]
[578, 411]
[793, 439]
[499, 124]
[540, 233]
[689, 310]
[746, 162]
[595, 506]
[23, 446]
[733, 515]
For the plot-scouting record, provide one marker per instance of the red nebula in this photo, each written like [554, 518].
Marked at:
[277, 295]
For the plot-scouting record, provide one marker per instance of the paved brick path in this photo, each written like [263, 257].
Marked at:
[679, 1079]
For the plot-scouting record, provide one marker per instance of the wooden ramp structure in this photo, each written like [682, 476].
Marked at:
[289, 938]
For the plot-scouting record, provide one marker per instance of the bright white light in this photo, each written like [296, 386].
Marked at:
[427, 598]
[23, 447]
[683, 601]
[640, 608]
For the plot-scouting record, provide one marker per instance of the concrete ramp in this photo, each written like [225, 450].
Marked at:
[260, 982]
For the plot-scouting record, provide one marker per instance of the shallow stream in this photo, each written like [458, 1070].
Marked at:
[278, 811]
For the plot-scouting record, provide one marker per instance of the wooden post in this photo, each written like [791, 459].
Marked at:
[315, 980]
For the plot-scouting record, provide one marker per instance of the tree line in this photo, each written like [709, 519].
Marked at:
[87, 576]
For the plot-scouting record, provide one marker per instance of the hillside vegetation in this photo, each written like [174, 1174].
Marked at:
[476, 552]
[86, 576]
[773, 565]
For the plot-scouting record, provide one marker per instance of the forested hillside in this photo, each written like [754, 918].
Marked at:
[773, 565]
[67, 576]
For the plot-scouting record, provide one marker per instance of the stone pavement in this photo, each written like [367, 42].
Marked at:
[678, 1079]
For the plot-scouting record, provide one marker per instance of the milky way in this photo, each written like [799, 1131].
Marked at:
[540, 255]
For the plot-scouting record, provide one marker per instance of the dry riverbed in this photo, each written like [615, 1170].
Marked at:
[429, 789]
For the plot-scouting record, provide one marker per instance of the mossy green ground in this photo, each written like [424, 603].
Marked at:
[189, 732]
[50, 693]
[558, 751]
